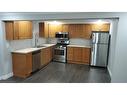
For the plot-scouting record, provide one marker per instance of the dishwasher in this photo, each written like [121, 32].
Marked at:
[36, 58]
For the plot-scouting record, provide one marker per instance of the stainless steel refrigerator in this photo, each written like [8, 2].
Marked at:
[99, 51]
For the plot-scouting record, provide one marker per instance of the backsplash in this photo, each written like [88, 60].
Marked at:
[51, 40]
[42, 41]
[75, 41]
[80, 41]
[18, 44]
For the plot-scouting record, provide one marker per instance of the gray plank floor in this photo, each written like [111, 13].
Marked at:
[56, 72]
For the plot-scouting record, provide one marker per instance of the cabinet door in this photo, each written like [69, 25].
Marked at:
[48, 54]
[70, 53]
[87, 29]
[86, 55]
[46, 30]
[22, 64]
[43, 29]
[72, 28]
[25, 29]
[79, 31]
[43, 57]
[53, 29]
[29, 63]
[103, 27]
[51, 54]
[65, 28]
[77, 53]
[59, 28]
[9, 30]
[16, 30]
[29, 30]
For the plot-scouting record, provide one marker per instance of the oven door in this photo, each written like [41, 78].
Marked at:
[60, 54]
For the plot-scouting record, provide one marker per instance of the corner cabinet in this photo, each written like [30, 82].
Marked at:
[18, 30]
[78, 55]
[43, 30]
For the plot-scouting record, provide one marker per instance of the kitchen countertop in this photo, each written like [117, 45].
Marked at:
[79, 46]
[28, 50]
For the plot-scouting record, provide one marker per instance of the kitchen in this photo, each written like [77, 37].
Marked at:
[41, 36]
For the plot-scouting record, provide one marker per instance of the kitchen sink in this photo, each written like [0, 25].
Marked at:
[40, 46]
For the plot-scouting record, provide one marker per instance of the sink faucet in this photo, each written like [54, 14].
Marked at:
[36, 39]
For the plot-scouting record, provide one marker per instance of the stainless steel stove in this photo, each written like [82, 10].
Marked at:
[60, 50]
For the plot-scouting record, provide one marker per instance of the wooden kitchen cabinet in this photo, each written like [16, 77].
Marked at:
[69, 53]
[22, 64]
[75, 30]
[65, 27]
[103, 27]
[24, 29]
[9, 29]
[53, 29]
[18, 30]
[87, 30]
[72, 30]
[86, 53]
[79, 30]
[46, 55]
[78, 55]
[43, 30]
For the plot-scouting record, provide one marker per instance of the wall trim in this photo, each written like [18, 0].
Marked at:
[4, 77]
[110, 72]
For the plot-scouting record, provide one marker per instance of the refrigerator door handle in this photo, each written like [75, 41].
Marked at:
[92, 48]
[93, 38]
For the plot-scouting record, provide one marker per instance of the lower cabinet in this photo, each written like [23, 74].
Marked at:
[46, 55]
[78, 55]
[25, 64]
[22, 64]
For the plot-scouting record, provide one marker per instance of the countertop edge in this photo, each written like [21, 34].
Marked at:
[40, 48]
[79, 46]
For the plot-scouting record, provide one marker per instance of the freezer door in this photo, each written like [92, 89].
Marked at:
[100, 38]
[99, 55]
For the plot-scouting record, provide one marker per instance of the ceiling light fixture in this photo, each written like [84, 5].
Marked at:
[55, 22]
[100, 22]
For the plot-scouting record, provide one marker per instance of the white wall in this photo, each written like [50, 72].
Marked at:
[120, 59]
[113, 33]
[1, 49]
[80, 41]
[6, 65]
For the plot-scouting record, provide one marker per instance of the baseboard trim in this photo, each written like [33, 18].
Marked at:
[109, 72]
[4, 77]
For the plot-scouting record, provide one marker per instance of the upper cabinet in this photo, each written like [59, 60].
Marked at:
[43, 29]
[9, 28]
[53, 28]
[65, 27]
[87, 29]
[75, 30]
[18, 30]
[102, 27]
